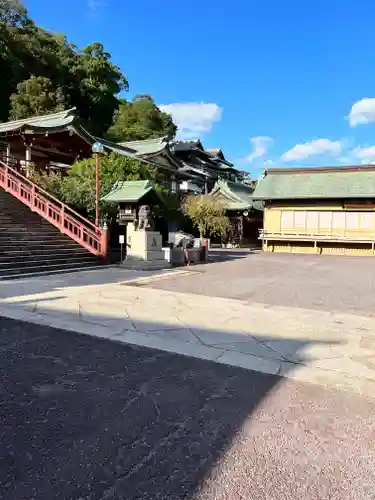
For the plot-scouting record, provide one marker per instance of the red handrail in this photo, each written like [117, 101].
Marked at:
[81, 230]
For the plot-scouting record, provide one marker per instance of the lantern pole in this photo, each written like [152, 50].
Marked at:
[97, 149]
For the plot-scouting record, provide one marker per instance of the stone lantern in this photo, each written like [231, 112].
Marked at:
[143, 244]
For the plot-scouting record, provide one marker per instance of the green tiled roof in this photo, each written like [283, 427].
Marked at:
[55, 120]
[129, 191]
[148, 146]
[117, 148]
[317, 183]
[240, 196]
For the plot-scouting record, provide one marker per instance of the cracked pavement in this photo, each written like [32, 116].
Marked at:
[334, 349]
[84, 418]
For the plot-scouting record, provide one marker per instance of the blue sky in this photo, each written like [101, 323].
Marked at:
[273, 83]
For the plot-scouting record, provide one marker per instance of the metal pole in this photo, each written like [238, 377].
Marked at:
[97, 190]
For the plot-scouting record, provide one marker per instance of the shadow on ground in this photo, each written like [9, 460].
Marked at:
[41, 284]
[87, 418]
[105, 275]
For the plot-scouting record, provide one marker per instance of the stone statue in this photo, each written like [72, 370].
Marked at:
[145, 220]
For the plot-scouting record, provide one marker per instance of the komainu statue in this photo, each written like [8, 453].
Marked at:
[145, 220]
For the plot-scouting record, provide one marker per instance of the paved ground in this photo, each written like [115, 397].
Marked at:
[330, 283]
[89, 419]
[334, 349]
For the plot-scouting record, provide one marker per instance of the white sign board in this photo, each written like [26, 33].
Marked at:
[121, 239]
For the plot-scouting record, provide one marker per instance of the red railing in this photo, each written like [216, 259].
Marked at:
[79, 229]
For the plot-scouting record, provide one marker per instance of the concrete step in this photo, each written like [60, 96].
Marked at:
[31, 246]
[36, 273]
[42, 252]
[37, 246]
[31, 234]
[33, 260]
[35, 239]
[37, 269]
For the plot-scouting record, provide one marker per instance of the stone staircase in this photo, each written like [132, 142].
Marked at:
[31, 246]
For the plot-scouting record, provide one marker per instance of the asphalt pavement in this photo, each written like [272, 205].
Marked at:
[86, 418]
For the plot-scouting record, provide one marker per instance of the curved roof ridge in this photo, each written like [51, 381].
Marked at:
[62, 118]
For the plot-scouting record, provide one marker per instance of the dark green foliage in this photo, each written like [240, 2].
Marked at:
[32, 58]
[36, 96]
[42, 72]
[141, 119]
[78, 189]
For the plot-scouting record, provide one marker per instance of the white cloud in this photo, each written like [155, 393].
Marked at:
[365, 155]
[95, 5]
[260, 147]
[362, 112]
[316, 147]
[193, 118]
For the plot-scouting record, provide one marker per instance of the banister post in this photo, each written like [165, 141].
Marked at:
[6, 177]
[32, 198]
[62, 218]
[104, 242]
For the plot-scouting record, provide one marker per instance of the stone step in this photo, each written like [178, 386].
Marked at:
[7, 262]
[42, 252]
[34, 238]
[31, 246]
[31, 273]
[51, 267]
[39, 247]
[17, 233]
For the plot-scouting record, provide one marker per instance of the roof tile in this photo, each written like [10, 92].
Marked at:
[317, 184]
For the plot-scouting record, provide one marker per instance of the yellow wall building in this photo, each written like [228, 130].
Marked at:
[323, 210]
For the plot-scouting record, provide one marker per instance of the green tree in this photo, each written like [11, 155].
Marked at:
[87, 78]
[141, 119]
[207, 215]
[13, 13]
[51, 182]
[13, 21]
[78, 188]
[98, 82]
[36, 96]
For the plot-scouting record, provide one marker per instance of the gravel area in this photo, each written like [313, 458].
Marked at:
[83, 418]
[331, 283]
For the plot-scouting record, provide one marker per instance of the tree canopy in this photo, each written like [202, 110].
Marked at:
[141, 119]
[34, 97]
[208, 215]
[78, 188]
[42, 72]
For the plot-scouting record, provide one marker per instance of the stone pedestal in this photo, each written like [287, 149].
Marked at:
[144, 249]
